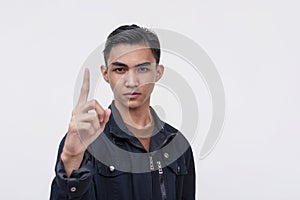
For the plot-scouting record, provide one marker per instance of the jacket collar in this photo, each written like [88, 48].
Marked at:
[118, 128]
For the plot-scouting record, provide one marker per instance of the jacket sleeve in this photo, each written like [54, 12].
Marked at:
[80, 183]
[189, 185]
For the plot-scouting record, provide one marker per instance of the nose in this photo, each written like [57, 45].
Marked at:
[131, 79]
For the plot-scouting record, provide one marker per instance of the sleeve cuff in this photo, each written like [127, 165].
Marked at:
[80, 180]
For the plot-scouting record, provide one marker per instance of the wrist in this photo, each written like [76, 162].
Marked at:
[67, 157]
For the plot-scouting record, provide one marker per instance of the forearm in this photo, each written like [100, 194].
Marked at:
[78, 185]
[71, 162]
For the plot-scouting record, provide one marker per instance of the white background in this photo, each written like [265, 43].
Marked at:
[253, 43]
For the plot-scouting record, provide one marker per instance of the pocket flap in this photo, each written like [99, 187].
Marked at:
[178, 168]
[108, 171]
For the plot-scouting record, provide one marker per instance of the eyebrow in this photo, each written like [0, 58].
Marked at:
[143, 64]
[119, 64]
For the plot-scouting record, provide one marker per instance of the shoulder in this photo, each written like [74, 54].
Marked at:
[178, 142]
[178, 136]
[169, 127]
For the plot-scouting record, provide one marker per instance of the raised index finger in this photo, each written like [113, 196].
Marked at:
[85, 88]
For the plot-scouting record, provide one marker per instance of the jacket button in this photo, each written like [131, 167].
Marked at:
[178, 169]
[73, 189]
[166, 155]
[111, 168]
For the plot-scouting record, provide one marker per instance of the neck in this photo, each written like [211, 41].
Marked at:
[139, 117]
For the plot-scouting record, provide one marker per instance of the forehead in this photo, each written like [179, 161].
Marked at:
[130, 54]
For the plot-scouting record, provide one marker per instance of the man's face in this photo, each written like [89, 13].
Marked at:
[132, 73]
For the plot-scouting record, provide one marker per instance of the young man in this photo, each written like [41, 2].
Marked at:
[124, 152]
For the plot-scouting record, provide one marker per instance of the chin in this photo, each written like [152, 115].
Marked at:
[132, 104]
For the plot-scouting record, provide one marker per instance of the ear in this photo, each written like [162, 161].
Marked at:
[104, 71]
[159, 72]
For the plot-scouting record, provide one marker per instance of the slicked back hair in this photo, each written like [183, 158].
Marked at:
[132, 34]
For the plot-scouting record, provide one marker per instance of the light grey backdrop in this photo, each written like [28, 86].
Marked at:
[254, 45]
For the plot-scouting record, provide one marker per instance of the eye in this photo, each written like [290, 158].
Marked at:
[119, 70]
[143, 69]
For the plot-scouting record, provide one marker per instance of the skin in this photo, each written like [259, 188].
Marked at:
[84, 127]
[132, 68]
[131, 73]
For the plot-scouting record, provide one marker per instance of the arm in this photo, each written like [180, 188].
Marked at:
[78, 185]
[189, 185]
[84, 127]
[73, 167]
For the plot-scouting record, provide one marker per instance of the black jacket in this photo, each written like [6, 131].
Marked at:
[116, 166]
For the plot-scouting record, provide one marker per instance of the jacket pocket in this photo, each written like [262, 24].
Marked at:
[108, 171]
[114, 184]
[174, 178]
[178, 168]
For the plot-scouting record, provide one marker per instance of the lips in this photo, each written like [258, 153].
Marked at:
[132, 95]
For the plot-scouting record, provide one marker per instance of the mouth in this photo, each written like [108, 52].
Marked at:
[132, 95]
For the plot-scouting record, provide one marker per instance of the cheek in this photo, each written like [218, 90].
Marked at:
[147, 78]
[115, 82]
[147, 81]
[147, 88]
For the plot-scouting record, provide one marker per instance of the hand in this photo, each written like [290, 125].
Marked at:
[84, 126]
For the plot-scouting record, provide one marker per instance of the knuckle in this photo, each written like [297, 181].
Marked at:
[94, 102]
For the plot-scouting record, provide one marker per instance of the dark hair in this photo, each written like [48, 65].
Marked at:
[132, 34]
